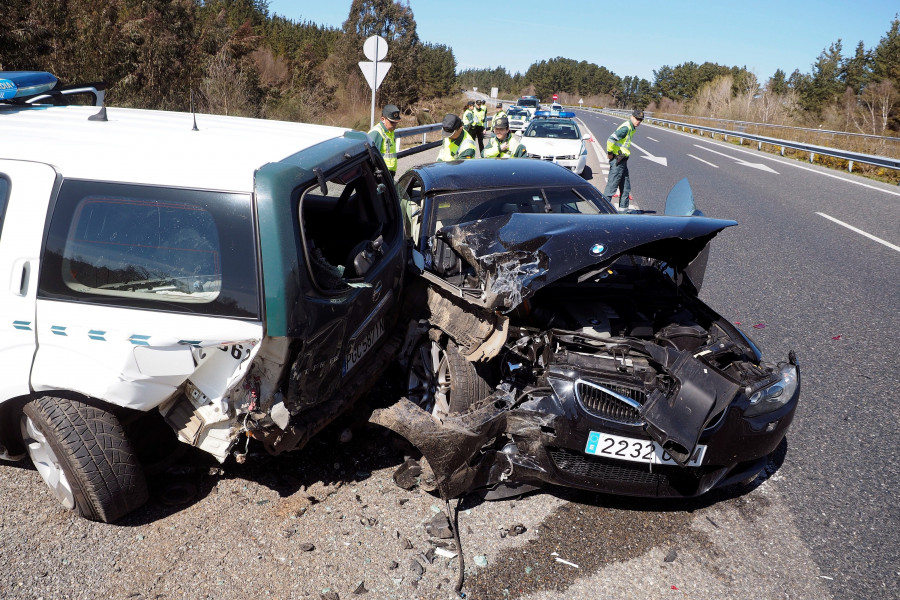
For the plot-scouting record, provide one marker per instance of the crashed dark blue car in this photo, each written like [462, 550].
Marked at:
[559, 342]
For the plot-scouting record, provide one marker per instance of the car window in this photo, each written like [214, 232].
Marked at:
[345, 226]
[462, 207]
[162, 248]
[546, 128]
[4, 199]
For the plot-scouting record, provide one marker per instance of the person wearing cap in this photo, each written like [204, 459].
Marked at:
[504, 145]
[478, 127]
[499, 114]
[383, 136]
[458, 143]
[618, 149]
[468, 117]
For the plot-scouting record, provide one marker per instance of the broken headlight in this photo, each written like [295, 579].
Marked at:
[776, 395]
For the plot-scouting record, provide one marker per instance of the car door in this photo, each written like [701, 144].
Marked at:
[352, 244]
[25, 191]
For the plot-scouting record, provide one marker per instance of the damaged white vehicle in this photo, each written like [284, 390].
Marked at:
[233, 277]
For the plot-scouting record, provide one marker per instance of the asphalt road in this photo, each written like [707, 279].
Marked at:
[821, 523]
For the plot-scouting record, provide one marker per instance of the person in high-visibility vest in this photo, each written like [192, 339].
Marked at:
[383, 136]
[480, 118]
[618, 149]
[504, 145]
[499, 114]
[458, 143]
[468, 117]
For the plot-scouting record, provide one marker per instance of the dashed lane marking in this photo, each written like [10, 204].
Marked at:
[860, 232]
[703, 161]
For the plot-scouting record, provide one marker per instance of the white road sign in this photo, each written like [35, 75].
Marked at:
[374, 72]
[375, 48]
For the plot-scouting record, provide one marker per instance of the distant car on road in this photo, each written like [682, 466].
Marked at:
[518, 118]
[556, 137]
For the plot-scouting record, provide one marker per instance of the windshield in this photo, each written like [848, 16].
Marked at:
[529, 102]
[462, 207]
[550, 128]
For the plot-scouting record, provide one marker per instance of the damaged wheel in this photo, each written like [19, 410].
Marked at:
[82, 454]
[441, 381]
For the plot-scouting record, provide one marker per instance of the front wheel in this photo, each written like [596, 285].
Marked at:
[441, 381]
[83, 455]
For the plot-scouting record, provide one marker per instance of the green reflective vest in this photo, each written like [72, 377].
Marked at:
[480, 115]
[387, 145]
[451, 150]
[500, 113]
[620, 140]
[468, 119]
[516, 148]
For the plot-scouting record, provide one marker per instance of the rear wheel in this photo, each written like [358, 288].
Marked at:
[81, 452]
[441, 381]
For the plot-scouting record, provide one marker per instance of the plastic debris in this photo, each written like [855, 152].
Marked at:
[445, 553]
[835, 337]
[737, 322]
[565, 562]
[675, 588]
[826, 577]
[759, 326]
[480, 560]
[528, 570]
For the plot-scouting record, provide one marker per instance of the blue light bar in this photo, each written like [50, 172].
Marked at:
[555, 113]
[17, 84]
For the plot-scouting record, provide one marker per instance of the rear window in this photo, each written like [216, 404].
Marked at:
[158, 248]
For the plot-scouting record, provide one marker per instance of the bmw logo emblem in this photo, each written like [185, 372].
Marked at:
[598, 249]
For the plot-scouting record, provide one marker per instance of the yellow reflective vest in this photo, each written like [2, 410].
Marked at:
[387, 145]
[480, 115]
[620, 140]
[515, 149]
[451, 150]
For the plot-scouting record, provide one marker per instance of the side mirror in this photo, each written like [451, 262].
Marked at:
[585, 136]
[519, 133]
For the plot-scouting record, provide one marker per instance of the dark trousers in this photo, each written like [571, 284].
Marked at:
[478, 134]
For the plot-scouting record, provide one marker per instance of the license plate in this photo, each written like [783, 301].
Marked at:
[359, 349]
[635, 450]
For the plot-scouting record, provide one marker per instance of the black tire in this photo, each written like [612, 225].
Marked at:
[439, 378]
[91, 449]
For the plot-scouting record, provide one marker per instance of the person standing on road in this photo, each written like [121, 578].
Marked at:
[618, 149]
[480, 118]
[468, 117]
[499, 114]
[383, 136]
[458, 143]
[504, 145]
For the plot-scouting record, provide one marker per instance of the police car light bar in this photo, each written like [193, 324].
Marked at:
[555, 113]
[18, 84]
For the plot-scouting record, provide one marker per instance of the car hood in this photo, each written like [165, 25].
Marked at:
[551, 146]
[517, 254]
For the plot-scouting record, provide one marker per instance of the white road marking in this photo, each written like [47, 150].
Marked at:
[759, 166]
[860, 232]
[703, 161]
[652, 140]
[783, 161]
[657, 159]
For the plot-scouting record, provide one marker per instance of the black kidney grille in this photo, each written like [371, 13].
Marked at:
[603, 401]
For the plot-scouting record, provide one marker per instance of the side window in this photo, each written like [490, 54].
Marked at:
[147, 247]
[346, 226]
[4, 199]
[411, 205]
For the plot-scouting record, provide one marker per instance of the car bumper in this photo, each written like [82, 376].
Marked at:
[574, 165]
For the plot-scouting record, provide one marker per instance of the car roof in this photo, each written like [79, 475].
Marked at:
[153, 147]
[461, 175]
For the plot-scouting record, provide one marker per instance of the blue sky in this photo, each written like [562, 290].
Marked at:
[633, 38]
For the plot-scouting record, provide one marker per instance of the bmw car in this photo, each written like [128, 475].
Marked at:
[556, 137]
[559, 342]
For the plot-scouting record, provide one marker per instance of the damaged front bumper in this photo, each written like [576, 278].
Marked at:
[516, 441]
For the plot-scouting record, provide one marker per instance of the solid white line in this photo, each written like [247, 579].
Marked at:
[861, 232]
[703, 161]
[593, 141]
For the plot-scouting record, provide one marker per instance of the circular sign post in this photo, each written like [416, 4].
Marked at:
[375, 48]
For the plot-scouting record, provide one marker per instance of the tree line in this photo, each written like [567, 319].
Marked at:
[233, 57]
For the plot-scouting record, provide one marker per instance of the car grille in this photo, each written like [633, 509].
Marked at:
[611, 401]
[582, 465]
[539, 157]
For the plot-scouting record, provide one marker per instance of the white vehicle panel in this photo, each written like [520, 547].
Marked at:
[30, 187]
[137, 358]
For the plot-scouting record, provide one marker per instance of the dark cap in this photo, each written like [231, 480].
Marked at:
[638, 114]
[470, 103]
[391, 113]
[479, 101]
[502, 122]
[451, 123]
[499, 105]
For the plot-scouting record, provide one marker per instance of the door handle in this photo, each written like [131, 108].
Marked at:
[21, 277]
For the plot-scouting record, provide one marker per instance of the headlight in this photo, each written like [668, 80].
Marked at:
[776, 395]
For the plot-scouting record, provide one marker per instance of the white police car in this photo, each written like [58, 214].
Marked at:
[232, 277]
[556, 137]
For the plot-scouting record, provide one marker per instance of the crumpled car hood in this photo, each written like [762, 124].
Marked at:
[517, 254]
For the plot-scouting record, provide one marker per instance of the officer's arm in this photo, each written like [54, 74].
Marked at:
[468, 153]
[492, 150]
[377, 140]
[520, 152]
